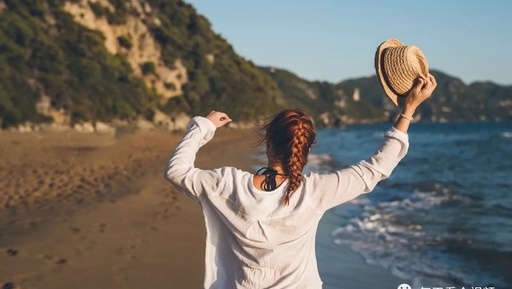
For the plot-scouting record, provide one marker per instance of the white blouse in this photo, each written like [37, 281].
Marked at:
[255, 241]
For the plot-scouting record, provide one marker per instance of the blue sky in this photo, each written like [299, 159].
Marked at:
[335, 40]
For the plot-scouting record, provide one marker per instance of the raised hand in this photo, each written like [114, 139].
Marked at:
[422, 91]
[218, 118]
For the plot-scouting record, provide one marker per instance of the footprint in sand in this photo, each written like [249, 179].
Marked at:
[75, 230]
[10, 285]
[33, 223]
[30, 278]
[128, 253]
[102, 227]
[12, 252]
[52, 259]
[61, 261]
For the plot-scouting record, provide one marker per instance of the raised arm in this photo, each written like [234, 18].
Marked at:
[180, 170]
[332, 189]
[421, 92]
[329, 190]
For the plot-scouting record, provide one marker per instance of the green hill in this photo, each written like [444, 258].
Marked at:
[326, 102]
[112, 59]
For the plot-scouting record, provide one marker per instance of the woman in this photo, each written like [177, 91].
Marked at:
[261, 228]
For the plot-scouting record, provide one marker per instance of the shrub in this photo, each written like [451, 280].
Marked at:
[98, 9]
[170, 86]
[125, 42]
[148, 68]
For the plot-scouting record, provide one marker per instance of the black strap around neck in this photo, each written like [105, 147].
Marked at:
[269, 183]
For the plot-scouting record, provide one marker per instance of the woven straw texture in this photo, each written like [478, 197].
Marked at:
[398, 66]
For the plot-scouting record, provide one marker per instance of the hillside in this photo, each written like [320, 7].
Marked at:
[87, 62]
[103, 60]
[326, 102]
[363, 100]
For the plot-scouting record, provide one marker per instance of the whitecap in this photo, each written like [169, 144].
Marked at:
[319, 163]
[337, 231]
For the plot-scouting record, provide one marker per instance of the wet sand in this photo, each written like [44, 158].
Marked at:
[94, 211]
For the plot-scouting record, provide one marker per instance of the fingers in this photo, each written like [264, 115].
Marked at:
[218, 118]
[433, 80]
[425, 84]
[223, 117]
[430, 85]
[421, 91]
[216, 114]
[419, 85]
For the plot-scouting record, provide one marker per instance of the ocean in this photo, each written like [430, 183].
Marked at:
[443, 218]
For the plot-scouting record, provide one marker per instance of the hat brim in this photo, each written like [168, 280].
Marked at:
[379, 69]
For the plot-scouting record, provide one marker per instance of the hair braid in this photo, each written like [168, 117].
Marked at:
[297, 160]
[301, 144]
[289, 137]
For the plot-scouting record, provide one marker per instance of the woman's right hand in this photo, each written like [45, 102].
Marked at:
[421, 92]
[218, 118]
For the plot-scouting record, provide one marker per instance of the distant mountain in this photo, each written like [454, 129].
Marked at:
[328, 103]
[363, 100]
[455, 101]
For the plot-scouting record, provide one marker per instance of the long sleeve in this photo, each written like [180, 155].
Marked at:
[180, 170]
[332, 189]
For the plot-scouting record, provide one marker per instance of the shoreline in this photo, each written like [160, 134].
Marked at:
[342, 267]
[138, 232]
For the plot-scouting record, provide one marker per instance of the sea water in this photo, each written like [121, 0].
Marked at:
[444, 217]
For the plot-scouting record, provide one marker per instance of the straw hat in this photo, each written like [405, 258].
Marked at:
[398, 66]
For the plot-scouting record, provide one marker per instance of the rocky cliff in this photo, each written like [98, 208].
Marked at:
[75, 61]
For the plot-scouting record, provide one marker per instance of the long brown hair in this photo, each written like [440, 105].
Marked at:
[289, 137]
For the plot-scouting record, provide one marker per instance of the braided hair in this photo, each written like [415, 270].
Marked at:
[289, 137]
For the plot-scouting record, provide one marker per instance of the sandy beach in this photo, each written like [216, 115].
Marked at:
[94, 211]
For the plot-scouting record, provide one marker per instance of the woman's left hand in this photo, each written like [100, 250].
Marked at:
[218, 118]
